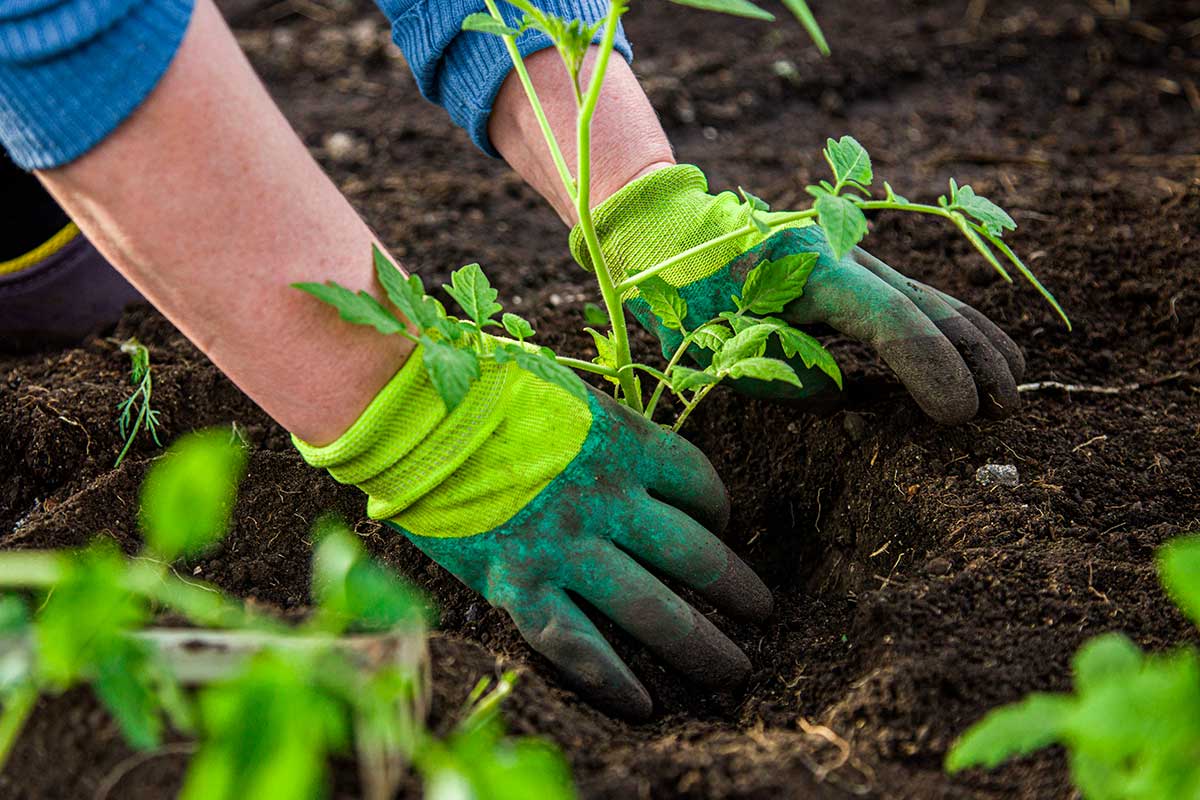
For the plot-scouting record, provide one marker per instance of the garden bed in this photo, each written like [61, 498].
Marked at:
[909, 597]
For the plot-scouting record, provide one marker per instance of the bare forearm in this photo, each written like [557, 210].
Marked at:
[627, 139]
[207, 201]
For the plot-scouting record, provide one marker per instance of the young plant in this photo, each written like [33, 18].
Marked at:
[1132, 727]
[734, 344]
[350, 677]
[135, 412]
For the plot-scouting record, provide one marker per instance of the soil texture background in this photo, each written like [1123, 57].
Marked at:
[910, 598]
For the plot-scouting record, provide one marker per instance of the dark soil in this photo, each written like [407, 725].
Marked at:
[910, 599]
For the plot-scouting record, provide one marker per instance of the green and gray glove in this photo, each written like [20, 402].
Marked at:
[529, 494]
[954, 361]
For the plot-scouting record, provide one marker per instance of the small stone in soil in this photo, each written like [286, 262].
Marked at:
[998, 475]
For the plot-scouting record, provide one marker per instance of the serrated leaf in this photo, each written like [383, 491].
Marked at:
[451, 370]
[1018, 729]
[473, 292]
[801, 11]
[1179, 570]
[685, 379]
[771, 285]
[486, 23]
[1107, 658]
[188, 496]
[844, 223]
[750, 343]
[595, 315]
[737, 8]
[849, 161]
[606, 352]
[360, 308]
[518, 327]
[994, 218]
[665, 302]
[765, 369]
[544, 367]
[407, 294]
[810, 350]
[711, 336]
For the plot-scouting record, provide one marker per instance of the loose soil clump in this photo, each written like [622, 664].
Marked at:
[910, 598]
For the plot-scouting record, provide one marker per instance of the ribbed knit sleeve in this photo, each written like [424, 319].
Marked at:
[462, 70]
[72, 70]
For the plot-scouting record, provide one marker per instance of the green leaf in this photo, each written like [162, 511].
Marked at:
[606, 352]
[811, 352]
[518, 327]
[765, 369]
[188, 496]
[750, 343]
[352, 589]
[1104, 659]
[737, 8]
[361, 308]
[684, 379]
[892, 196]
[89, 609]
[486, 23]
[844, 223]
[544, 367]
[994, 218]
[1179, 570]
[1018, 729]
[452, 370]
[849, 161]
[711, 336]
[801, 11]
[250, 746]
[407, 294]
[755, 203]
[123, 684]
[665, 302]
[595, 315]
[471, 290]
[771, 285]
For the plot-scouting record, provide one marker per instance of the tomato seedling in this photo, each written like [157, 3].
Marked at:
[135, 411]
[737, 340]
[271, 701]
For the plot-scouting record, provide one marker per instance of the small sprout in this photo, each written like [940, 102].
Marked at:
[142, 379]
[518, 327]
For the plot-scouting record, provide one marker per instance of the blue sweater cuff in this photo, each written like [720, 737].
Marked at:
[71, 72]
[462, 70]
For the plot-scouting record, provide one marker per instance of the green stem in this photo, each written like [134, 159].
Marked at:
[586, 366]
[486, 707]
[690, 407]
[630, 390]
[560, 163]
[662, 384]
[17, 709]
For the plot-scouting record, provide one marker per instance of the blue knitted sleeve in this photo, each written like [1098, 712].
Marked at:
[72, 70]
[462, 70]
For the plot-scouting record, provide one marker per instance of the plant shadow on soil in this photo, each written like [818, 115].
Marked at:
[909, 599]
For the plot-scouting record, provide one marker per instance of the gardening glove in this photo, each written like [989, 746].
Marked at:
[953, 360]
[533, 497]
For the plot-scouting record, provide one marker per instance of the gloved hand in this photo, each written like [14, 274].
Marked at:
[526, 492]
[954, 361]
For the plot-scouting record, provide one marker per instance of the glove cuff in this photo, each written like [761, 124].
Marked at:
[406, 443]
[659, 216]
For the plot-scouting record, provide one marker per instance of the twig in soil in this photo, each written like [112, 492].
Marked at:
[1080, 388]
[1101, 438]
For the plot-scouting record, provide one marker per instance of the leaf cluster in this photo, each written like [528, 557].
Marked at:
[265, 727]
[1132, 725]
[453, 349]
